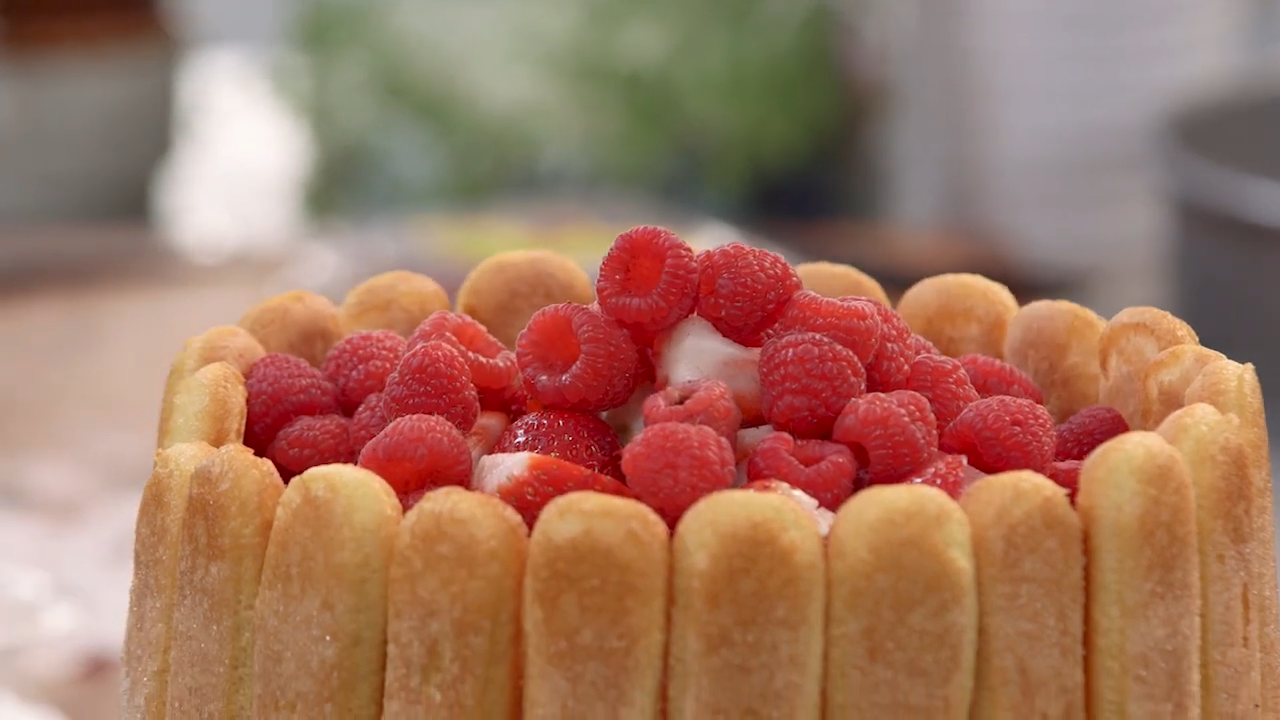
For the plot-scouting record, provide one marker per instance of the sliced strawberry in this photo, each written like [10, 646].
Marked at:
[485, 433]
[528, 481]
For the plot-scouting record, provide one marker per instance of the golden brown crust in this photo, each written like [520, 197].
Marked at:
[835, 280]
[149, 634]
[1166, 378]
[1029, 551]
[208, 407]
[227, 343]
[298, 322]
[595, 609]
[1216, 454]
[506, 289]
[1055, 342]
[320, 620]
[1133, 338]
[453, 622]
[747, 610]
[1233, 388]
[960, 313]
[397, 301]
[230, 510]
[1142, 642]
[902, 613]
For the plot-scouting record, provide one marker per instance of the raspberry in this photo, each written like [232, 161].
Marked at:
[1086, 430]
[820, 468]
[806, 379]
[359, 364]
[670, 466]
[311, 440]
[921, 345]
[574, 358]
[889, 367]
[512, 400]
[949, 473]
[433, 379]
[368, 420]
[855, 325]
[698, 402]
[280, 388]
[742, 290]
[892, 435]
[648, 281]
[490, 363]
[528, 481]
[1002, 433]
[992, 377]
[694, 350]
[580, 438]
[946, 385]
[1066, 473]
[418, 453]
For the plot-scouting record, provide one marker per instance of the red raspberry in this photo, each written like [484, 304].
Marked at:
[369, 420]
[648, 280]
[311, 440]
[921, 345]
[574, 358]
[992, 377]
[528, 481]
[1002, 433]
[433, 379]
[698, 402]
[1086, 430]
[670, 466]
[944, 382]
[1066, 473]
[580, 438]
[512, 400]
[949, 473]
[280, 388]
[360, 363]
[855, 325]
[491, 364]
[742, 290]
[418, 453]
[806, 379]
[892, 435]
[694, 350]
[889, 367]
[820, 468]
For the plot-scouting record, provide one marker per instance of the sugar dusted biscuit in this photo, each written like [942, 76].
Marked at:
[506, 289]
[1166, 378]
[1129, 342]
[835, 280]
[1055, 342]
[902, 606]
[228, 343]
[961, 313]
[397, 301]
[298, 322]
[1142, 644]
[209, 406]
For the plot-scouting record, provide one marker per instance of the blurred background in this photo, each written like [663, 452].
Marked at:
[164, 163]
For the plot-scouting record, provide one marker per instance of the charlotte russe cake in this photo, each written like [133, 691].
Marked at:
[709, 485]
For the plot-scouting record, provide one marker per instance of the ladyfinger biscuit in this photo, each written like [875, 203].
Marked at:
[231, 507]
[1028, 547]
[1166, 378]
[229, 343]
[902, 606]
[208, 407]
[1216, 454]
[1129, 342]
[298, 322]
[397, 301]
[961, 313]
[506, 289]
[157, 536]
[836, 280]
[1142, 641]
[595, 609]
[1233, 388]
[320, 620]
[453, 618]
[1055, 342]
[747, 610]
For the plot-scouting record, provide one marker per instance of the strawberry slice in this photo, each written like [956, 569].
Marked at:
[528, 481]
[485, 433]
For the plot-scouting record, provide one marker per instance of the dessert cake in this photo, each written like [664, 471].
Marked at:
[705, 485]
